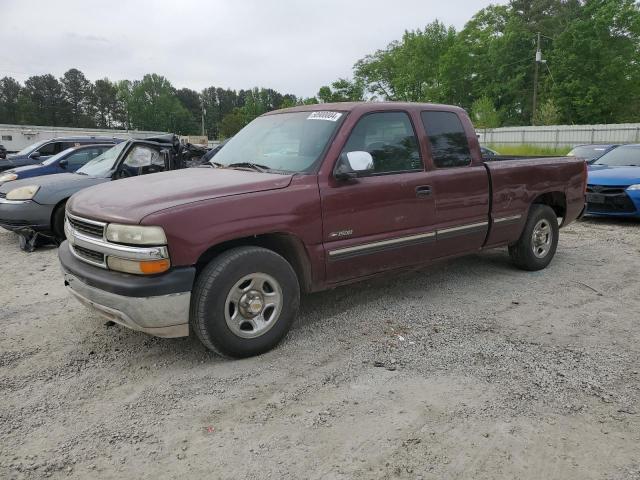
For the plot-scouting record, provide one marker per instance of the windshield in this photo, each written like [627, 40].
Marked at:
[286, 142]
[31, 148]
[102, 165]
[626, 156]
[55, 158]
[590, 152]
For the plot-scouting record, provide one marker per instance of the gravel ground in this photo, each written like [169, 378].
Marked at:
[470, 369]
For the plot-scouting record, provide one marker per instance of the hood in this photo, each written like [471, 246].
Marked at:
[54, 188]
[26, 168]
[5, 164]
[130, 200]
[613, 176]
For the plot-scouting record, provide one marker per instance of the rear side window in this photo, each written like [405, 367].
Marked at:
[449, 146]
[49, 149]
[77, 159]
[390, 139]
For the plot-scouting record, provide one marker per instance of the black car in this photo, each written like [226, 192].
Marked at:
[591, 153]
[487, 152]
[39, 151]
[3, 152]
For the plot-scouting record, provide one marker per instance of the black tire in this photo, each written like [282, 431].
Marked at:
[532, 255]
[57, 222]
[209, 308]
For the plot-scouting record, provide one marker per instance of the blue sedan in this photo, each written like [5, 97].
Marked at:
[613, 186]
[67, 161]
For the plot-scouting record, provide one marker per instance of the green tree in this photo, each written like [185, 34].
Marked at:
[232, 123]
[342, 90]
[44, 102]
[191, 100]
[10, 91]
[484, 113]
[595, 64]
[105, 102]
[77, 93]
[547, 114]
[124, 95]
[408, 69]
[155, 106]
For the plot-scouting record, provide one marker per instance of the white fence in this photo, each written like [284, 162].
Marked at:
[16, 137]
[556, 136]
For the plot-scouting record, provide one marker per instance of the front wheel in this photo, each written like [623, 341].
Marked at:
[244, 302]
[539, 240]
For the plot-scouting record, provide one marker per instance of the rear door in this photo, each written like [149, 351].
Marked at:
[382, 220]
[79, 158]
[460, 185]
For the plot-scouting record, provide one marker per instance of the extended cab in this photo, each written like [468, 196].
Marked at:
[301, 200]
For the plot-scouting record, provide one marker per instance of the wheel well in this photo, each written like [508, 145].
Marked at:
[59, 205]
[556, 200]
[286, 245]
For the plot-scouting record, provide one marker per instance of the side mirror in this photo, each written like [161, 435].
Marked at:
[63, 163]
[353, 164]
[35, 155]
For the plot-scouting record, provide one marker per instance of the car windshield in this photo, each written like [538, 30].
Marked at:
[55, 158]
[626, 156]
[31, 148]
[284, 142]
[588, 152]
[103, 164]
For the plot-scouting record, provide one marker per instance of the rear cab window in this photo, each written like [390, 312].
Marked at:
[448, 139]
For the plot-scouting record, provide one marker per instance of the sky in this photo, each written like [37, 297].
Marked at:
[293, 46]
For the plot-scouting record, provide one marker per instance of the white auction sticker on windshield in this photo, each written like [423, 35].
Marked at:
[331, 116]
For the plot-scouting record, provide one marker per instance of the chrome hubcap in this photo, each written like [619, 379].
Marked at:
[542, 238]
[253, 305]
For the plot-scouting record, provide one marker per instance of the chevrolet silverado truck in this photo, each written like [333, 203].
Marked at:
[301, 200]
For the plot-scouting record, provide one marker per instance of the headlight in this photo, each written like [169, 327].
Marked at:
[7, 177]
[23, 193]
[634, 187]
[135, 234]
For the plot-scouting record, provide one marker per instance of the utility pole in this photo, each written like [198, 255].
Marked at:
[203, 113]
[535, 82]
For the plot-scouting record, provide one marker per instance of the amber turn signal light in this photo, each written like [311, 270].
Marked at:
[138, 267]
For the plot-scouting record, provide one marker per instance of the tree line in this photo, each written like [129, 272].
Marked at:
[590, 74]
[152, 103]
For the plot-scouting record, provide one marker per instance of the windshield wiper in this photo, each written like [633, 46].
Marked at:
[80, 173]
[255, 166]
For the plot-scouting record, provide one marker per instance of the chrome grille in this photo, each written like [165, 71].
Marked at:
[88, 254]
[88, 228]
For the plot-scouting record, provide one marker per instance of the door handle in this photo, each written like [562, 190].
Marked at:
[423, 191]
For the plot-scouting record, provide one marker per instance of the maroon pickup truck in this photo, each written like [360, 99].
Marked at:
[301, 200]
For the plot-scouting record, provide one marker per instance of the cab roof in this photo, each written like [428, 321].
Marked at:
[365, 107]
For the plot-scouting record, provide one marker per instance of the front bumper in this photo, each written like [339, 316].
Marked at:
[25, 215]
[613, 202]
[158, 305]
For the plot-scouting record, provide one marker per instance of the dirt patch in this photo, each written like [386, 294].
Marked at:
[470, 369]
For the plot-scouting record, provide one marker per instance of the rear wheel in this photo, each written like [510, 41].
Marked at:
[537, 244]
[244, 302]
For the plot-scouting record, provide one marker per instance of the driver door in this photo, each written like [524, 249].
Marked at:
[142, 160]
[383, 220]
